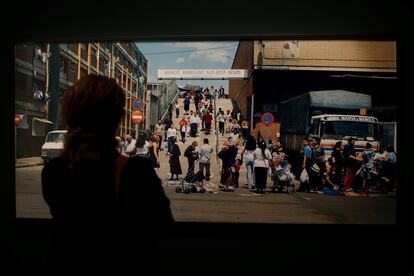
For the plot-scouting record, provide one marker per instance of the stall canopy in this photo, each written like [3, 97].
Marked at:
[39, 126]
[42, 120]
[189, 88]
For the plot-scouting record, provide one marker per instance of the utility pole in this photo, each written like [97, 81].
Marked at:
[47, 79]
[53, 87]
[97, 59]
[89, 58]
[79, 60]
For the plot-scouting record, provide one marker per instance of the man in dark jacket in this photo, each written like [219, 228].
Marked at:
[192, 155]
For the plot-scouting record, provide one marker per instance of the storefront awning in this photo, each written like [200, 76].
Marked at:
[42, 120]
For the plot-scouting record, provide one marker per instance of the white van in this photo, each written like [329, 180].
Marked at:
[53, 145]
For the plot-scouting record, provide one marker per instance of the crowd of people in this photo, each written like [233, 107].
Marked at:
[191, 124]
[348, 170]
[344, 170]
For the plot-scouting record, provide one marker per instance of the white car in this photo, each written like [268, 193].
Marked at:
[53, 145]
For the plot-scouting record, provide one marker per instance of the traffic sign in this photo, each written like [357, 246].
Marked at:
[268, 119]
[138, 104]
[17, 119]
[137, 117]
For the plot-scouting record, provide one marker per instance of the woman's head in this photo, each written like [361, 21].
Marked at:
[140, 143]
[94, 104]
[154, 138]
[91, 109]
[338, 145]
[261, 145]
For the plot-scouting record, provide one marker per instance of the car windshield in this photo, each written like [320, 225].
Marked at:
[344, 129]
[55, 137]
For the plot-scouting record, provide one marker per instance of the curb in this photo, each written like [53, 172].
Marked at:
[28, 165]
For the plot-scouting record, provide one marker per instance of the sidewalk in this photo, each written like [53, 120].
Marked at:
[29, 162]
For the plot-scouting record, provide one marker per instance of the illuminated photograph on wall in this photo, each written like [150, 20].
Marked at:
[252, 131]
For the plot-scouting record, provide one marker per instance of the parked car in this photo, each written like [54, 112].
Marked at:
[53, 145]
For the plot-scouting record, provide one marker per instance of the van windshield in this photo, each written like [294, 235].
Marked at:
[55, 138]
[343, 129]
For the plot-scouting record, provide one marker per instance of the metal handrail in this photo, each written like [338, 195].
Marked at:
[172, 101]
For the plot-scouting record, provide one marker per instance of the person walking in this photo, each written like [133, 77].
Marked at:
[207, 122]
[262, 157]
[177, 109]
[159, 130]
[221, 92]
[186, 103]
[183, 128]
[171, 136]
[193, 124]
[153, 152]
[167, 124]
[247, 155]
[245, 129]
[221, 119]
[205, 156]
[318, 167]
[170, 110]
[306, 165]
[351, 164]
[338, 163]
[175, 165]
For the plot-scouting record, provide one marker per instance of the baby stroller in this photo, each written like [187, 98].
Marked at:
[372, 176]
[191, 183]
[283, 179]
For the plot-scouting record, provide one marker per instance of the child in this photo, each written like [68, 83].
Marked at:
[237, 172]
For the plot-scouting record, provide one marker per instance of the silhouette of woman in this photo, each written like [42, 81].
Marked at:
[93, 225]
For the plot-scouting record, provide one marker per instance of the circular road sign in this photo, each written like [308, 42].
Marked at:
[138, 104]
[267, 118]
[17, 119]
[137, 117]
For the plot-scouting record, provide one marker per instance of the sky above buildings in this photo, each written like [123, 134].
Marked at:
[189, 55]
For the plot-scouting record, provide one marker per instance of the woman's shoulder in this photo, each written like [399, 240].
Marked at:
[138, 161]
[55, 164]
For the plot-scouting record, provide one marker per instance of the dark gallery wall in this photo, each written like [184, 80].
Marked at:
[283, 249]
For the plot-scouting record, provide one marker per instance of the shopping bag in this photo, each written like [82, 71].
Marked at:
[304, 177]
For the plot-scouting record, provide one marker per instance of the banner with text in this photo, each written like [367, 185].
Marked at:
[203, 74]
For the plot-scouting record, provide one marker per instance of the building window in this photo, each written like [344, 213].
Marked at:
[63, 65]
[72, 67]
[83, 73]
